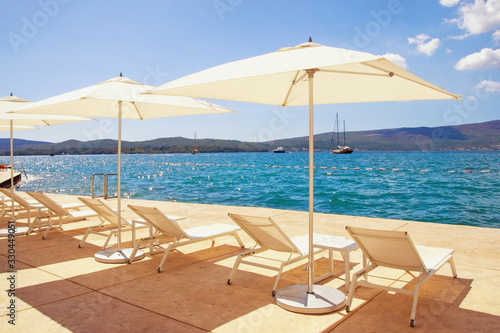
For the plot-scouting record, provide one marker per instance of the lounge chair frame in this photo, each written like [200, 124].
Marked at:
[109, 219]
[269, 236]
[57, 213]
[22, 207]
[396, 250]
[167, 228]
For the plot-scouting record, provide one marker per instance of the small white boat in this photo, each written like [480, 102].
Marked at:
[279, 150]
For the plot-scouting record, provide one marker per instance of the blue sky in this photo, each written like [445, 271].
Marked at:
[48, 47]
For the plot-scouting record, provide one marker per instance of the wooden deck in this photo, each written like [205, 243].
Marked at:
[5, 181]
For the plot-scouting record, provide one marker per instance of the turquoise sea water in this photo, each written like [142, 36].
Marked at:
[418, 186]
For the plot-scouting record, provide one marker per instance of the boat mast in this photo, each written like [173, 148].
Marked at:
[344, 133]
[338, 131]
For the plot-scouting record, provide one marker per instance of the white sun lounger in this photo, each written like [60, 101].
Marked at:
[395, 249]
[22, 206]
[176, 236]
[57, 212]
[109, 222]
[269, 236]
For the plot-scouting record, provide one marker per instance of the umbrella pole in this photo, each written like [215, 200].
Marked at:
[119, 173]
[12, 167]
[310, 299]
[311, 184]
[119, 255]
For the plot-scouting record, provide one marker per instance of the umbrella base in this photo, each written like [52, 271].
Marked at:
[115, 256]
[17, 231]
[323, 300]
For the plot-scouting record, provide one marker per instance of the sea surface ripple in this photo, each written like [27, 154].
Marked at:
[445, 187]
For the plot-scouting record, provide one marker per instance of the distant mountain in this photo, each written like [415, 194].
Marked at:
[19, 144]
[162, 145]
[482, 136]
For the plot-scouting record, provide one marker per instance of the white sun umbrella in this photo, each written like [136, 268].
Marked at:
[120, 98]
[285, 78]
[23, 121]
[14, 230]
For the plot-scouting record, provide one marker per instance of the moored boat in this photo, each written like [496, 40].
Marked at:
[341, 149]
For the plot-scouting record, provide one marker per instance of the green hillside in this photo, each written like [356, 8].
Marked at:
[482, 136]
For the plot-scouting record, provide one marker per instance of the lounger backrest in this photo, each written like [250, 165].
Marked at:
[103, 210]
[48, 202]
[265, 232]
[16, 197]
[388, 248]
[161, 222]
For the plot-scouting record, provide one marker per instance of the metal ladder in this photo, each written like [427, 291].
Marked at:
[104, 185]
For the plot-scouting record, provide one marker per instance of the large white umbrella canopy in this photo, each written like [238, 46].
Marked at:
[285, 78]
[22, 121]
[121, 97]
[280, 78]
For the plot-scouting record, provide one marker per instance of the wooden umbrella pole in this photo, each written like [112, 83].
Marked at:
[119, 167]
[310, 74]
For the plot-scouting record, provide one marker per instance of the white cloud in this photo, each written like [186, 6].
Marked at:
[496, 37]
[448, 50]
[396, 59]
[479, 60]
[460, 37]
[489, 86]
[478, 17]
[449, 3]
[424, 45]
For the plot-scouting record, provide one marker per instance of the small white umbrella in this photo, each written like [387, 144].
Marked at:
[12, 103]
[120, 98]
[15, 230]
[6, 128]
[285, 78]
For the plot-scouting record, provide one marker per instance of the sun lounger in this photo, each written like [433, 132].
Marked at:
[109, 222]
[269, 236]
[395, 249]
[176, 236]
[22, 206]
[56, 212]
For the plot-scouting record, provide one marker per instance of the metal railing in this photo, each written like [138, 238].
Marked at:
[104, 185]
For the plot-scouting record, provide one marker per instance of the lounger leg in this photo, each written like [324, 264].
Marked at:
[352, 288]
[51, 221]
[108, 239]
[414, 306]
[134, 251]
[347, 261]
[87, 233]
[164, 258]
[453, 269]
[239, 239]
[235, 266]
[28, 217]
[278, 279]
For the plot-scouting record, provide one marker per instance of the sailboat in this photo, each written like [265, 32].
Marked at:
[195, 150]
[340, 149]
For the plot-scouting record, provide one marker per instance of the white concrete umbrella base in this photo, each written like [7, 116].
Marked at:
[18, 231]
[323, 300]
[115, 256]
